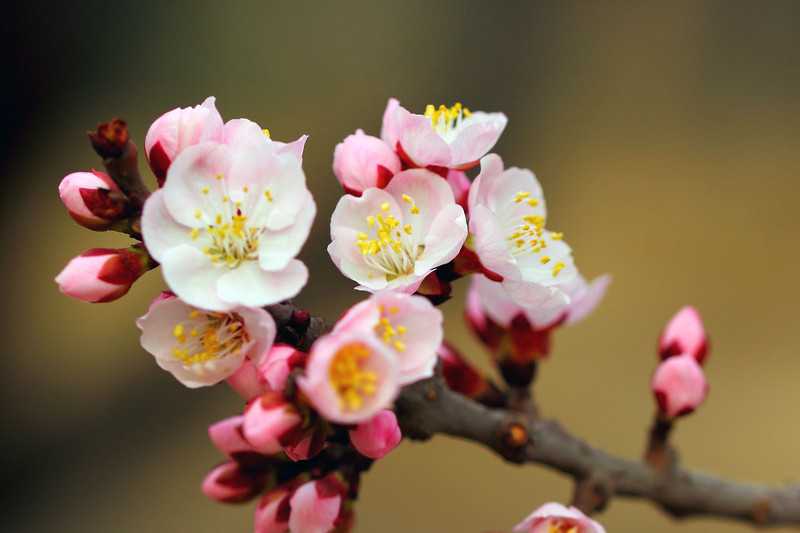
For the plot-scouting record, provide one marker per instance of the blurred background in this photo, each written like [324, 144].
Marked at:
[665, 135]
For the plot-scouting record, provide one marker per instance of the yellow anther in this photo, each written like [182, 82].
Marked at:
[198, 214]
[385, 206]
[218, 177]
[558, 267]
[400, 346]
[195, 233]
[349, 377]
[544, 259]
[268, 195]
[266, 132]
[556, 236]
[205, 189]
[533, 202]
[218, 219]
[409, 229]
[245, 189]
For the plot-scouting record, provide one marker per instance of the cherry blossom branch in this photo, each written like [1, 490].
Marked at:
[429, 407]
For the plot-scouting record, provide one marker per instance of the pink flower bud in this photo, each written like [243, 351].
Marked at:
[684, 334]
[227, 435]
[459, 183]
[92, 199]
[247, 381]
[679, 385]
[178, 129]
[362, 161]
[102, 274]
[267, 420]
[316, 505]
[228, 483]
[378, 436]
[272, 512]
[554, 517]
[279, 363]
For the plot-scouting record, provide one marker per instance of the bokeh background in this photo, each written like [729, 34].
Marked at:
[665, 135]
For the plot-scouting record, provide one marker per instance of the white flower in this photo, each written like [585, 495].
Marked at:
[392, 238]
[229, 222]
[507, 219]
[202, 348]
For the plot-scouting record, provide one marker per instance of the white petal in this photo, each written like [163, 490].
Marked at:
[277, 248]
[251, 286]
[161, 232]
[193, 277]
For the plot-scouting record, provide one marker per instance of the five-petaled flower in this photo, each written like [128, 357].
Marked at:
[507, 232]
[444, 137]
[392, 238]
[201, 347]
[228, 224]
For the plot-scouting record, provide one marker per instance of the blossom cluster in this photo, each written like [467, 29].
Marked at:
[424, 204]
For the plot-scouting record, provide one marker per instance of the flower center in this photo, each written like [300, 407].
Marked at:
[528, 235]
[386, 246]
[230, 238]
[391, 334]
[348, 377]
[206, 336]
[560, 526]
[446, 119]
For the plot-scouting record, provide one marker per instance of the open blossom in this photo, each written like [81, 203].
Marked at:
[102, 274]
[350, 376]
[679, 385]
[507, 229]
[242, 133]
[229, 223]
[178, 129]
[410, 325]
[92, 199]
[556, 518]
[684, 334]
[201, 347]
[377, 436]
[443, 137]
[494, 315]
[362, 161]
[392, 238]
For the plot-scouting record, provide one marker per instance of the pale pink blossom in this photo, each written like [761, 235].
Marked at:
[362, 161]
[684, 334]
[228, 225]
[377, 436]
[507, 230]
[679, 385]
[443, 137]
[244, 133]
[178, 129]
[229, 483]
[410, 325]
[350, 376]
[392, 238]
[316, 505]
[200, 347]
[556, 518]
[92, 199]
[268, 421]
[102, 274]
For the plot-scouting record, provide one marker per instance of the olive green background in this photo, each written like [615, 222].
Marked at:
[665, 135]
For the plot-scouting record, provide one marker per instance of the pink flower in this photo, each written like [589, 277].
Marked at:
[247, 381]
[350, 376]
[228, 225]
[316, 505]
[178, 129]
[229, 483]
[410, 325]
[202, 348]
[377, 436]
[92, 199]
[492, 313]
[556, 518]
[362, 161]
[102, 274]
[679, 385]
[684, 334]
[268, 420]
[445, 137]
[393, 238]
[507, 219]
[244, 133]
